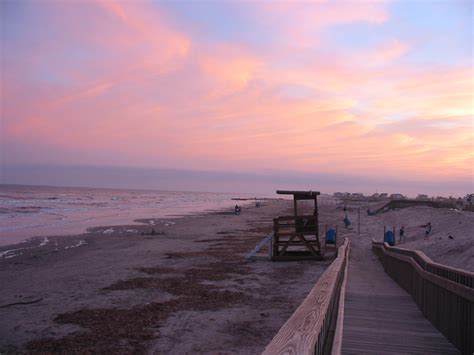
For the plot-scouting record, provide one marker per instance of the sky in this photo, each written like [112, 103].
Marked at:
[358, 94]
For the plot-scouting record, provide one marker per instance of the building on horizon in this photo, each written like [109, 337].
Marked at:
[468, 201]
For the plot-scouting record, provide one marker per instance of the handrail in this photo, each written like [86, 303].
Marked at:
[444, 294]
[460, 276]
[336, 347]
[307, 330]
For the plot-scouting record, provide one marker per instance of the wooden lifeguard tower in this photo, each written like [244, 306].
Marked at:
[297, 237]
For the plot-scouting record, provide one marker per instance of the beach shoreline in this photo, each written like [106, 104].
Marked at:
[31, 211]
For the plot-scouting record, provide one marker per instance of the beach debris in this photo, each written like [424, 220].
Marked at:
[44, 242]
[450, 237]
[167, 224]
[5, 254]
[156, 270]
[12, 256]
[21, 303]
[153, 232]
[78, 244]
[108, 231]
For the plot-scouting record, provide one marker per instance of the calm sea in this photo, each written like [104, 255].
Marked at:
[30, 211]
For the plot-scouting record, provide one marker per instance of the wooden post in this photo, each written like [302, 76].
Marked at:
[275, 238]
[358, 224]
[316, 215]
[270, 248]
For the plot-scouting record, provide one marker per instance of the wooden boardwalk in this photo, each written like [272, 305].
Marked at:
[380, 317]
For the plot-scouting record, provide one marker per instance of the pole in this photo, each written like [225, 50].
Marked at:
[358, 224]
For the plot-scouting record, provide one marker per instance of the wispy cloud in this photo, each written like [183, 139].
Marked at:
[128, 83]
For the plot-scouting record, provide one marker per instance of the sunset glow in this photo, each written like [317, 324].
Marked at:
[364, 88]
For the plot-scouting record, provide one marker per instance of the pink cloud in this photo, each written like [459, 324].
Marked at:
[156, 96]
[386, 53]
[230, 68]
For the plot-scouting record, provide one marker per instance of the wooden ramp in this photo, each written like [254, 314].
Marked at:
[380, 317]
[394, 204]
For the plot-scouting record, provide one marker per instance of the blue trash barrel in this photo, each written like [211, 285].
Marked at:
[331, 236]
[389, 238]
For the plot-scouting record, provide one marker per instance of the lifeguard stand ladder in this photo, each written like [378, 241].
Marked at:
[297, 237]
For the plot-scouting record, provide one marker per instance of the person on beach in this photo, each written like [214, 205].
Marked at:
[237, 209]
[428, 230]
[347, 221]
[402, 234]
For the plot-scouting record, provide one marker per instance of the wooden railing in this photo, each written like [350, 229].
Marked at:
[444, 294]
[310, 329]
[295, 238]
[393, 204]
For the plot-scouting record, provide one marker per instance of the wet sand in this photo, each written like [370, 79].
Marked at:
[187, 288]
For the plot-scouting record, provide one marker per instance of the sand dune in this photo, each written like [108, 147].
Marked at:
[457, 251]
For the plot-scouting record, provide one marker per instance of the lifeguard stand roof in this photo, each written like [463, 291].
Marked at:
[299, 193]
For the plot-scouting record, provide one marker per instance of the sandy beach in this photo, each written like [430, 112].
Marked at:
[186, 289]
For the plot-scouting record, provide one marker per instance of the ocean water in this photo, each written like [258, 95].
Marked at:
[34, 211]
